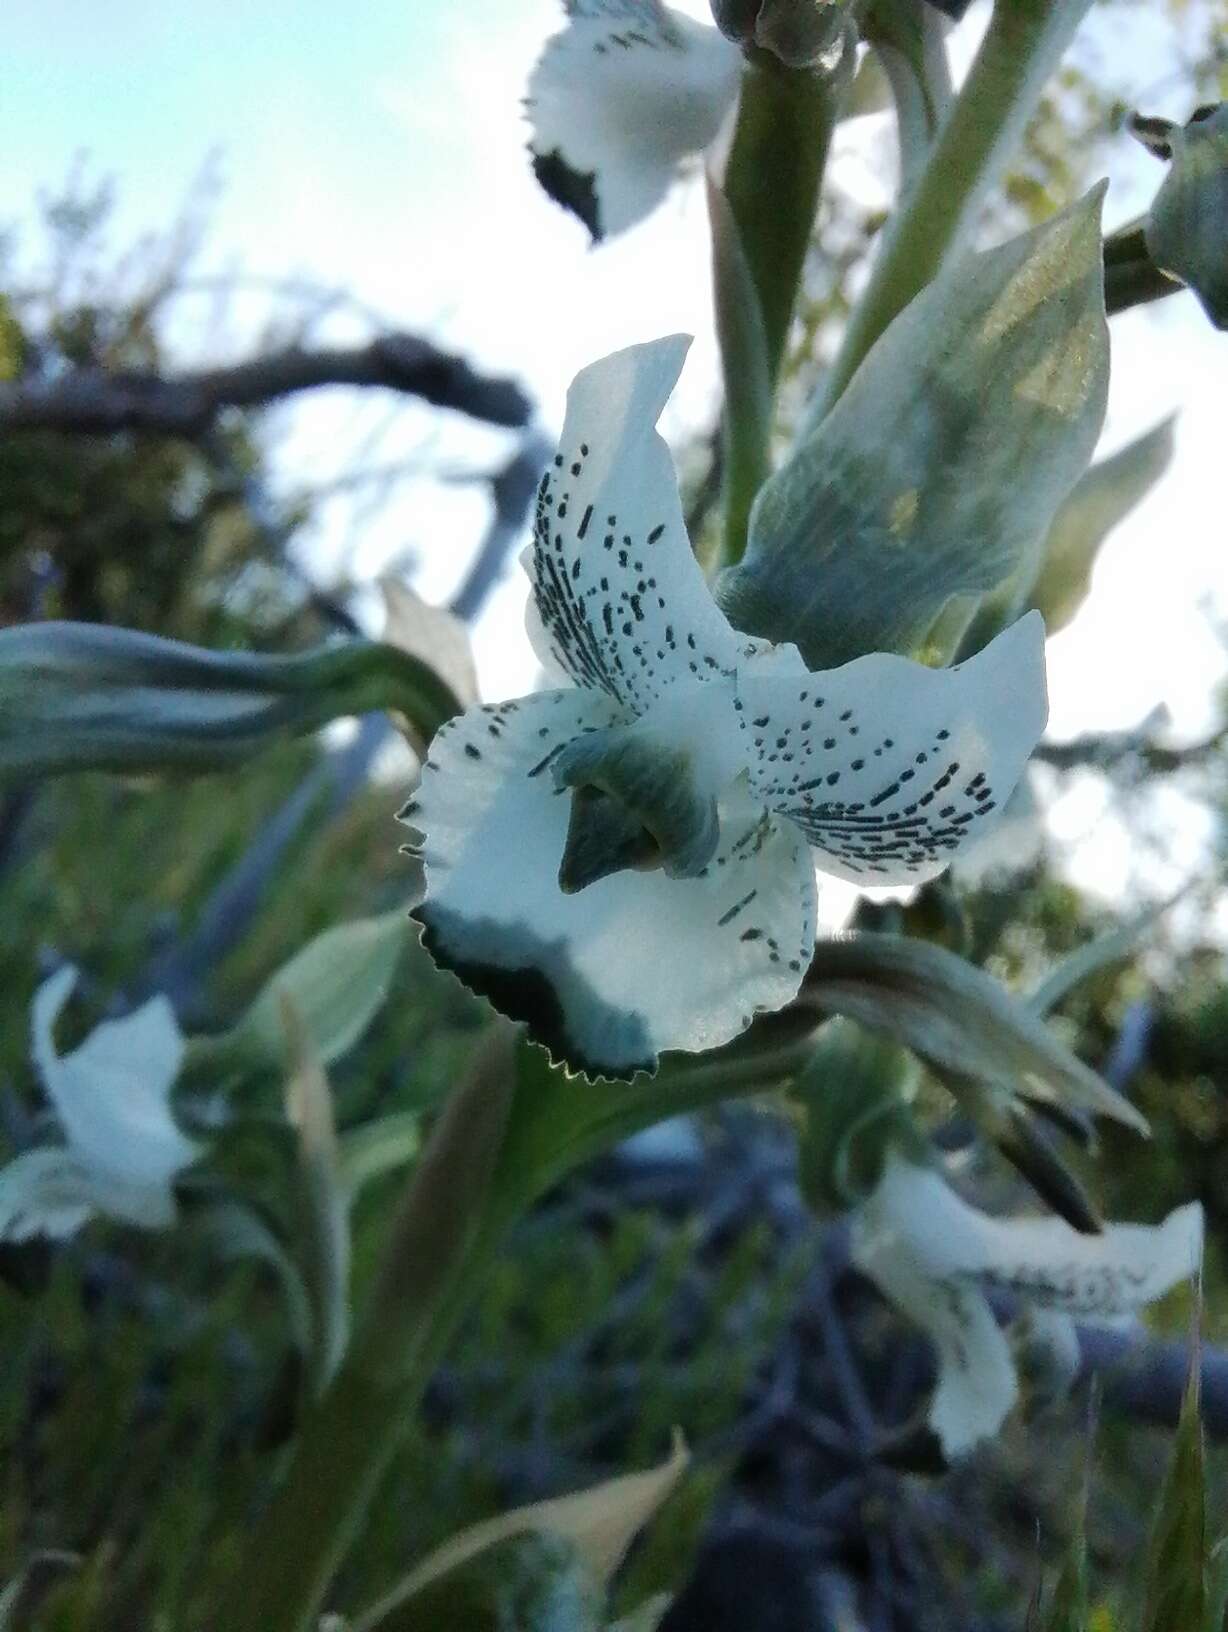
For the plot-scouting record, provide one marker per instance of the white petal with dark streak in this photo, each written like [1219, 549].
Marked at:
[619, 100]
[622, 605]
[889, 767]
[635, 964]
[1043, 1259]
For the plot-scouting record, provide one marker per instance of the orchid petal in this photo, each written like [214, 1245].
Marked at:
[1041, 1259]
[618, 100]
[977, 1386]
[112, 1096]
[618, 593]
[889, 767]
[581, 969]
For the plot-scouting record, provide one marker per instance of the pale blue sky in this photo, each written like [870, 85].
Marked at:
[380, 148]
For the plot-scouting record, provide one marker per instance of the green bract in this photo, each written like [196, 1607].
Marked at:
[941, 467]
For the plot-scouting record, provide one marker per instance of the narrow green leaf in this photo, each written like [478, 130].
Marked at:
[1102, 499]
[1175, 1584]
[233, 1231]
[1068, 1608]
[647, 1617]
[323, 1202]
[1114, 946]
[20, 1597]
[337, 983]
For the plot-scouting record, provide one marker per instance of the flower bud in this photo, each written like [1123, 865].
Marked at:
[1187, 229]
[84, 696]
[801, 33]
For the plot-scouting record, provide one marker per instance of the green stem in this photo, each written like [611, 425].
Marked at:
[910, 44]
[771, 188]
[496, 1149]
[1022, 46]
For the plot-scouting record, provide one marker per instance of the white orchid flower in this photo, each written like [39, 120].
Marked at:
[629, 863]
[112, 1098]
[620, 100]
[936, 1258]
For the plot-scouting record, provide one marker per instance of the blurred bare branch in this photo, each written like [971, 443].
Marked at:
[98, 401]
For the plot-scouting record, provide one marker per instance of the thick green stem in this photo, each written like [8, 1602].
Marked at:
[785, 121]
[1022, 46]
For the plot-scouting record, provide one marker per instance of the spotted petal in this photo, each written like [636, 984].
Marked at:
[933, 1255]
[635, 963]
[889, 767]
[112, 1096]
[622, 604]
[1042, 1259]
[618, 100]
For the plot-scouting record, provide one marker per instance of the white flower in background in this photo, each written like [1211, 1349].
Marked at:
[936, 1258]
[112, 1098]
[629, 863]
[620, 100]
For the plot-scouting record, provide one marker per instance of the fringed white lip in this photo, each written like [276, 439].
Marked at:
[886, 768]
[934, 1257]
[112, 1099]
[619, 100]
